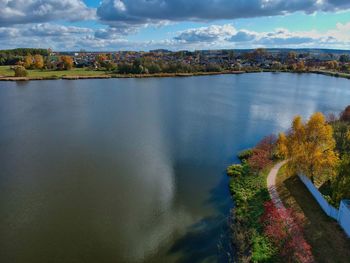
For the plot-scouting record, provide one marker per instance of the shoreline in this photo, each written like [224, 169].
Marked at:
[168, 75]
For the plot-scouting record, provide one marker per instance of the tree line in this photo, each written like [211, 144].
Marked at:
[13, 56]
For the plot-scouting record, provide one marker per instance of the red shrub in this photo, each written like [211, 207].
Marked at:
[263, 153]
[267, 144]
[259, 160]
[285, 231]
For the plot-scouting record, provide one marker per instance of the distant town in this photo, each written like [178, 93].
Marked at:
[164, 61]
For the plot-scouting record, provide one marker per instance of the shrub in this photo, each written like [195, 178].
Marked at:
[263, 249]
[259, 160]
[245, 154]
[20, 71]
[268, 144]
[283, 228]
[238, 169]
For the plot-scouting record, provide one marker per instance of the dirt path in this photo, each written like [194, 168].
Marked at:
[271, 185]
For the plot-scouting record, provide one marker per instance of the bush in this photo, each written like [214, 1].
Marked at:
[245, 154]
[263, 249]
[283, 228]
[238, 169]
[20, 71]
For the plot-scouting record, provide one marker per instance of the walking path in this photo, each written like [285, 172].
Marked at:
[271, 185]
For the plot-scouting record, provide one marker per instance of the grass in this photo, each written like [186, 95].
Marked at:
[6, 71]
[328, 241]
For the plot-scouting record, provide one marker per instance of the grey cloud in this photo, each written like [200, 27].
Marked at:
[243, 36]
[121, 12]
[37, 11]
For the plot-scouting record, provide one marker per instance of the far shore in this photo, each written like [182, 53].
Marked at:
[104, 75]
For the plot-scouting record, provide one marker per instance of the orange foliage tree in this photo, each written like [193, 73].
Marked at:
[67, 62]
[38, 61]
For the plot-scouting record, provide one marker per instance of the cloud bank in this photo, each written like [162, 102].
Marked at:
[122, 12]
[50, 23]
[227, 36]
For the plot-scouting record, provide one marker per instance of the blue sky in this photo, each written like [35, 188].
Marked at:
[174, 24]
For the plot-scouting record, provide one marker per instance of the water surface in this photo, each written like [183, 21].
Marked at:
[132, 170]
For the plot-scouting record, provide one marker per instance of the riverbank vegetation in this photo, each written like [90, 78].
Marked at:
[260, 232]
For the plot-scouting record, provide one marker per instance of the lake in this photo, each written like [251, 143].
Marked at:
[133, 170]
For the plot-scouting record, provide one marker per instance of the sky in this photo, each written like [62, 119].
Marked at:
[112, 25]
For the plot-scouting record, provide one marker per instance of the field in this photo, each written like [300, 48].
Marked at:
[327, 239]
[7, 72]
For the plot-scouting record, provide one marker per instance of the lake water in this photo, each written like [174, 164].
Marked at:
[133, 170]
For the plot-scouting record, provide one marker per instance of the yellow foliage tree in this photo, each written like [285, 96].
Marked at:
[282, 145]
[28, 61]
[310, 148]
[38, 61]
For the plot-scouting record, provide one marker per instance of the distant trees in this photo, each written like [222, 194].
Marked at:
[38, 61]
[66, 62]
[33, 62]
[310, 148]
[13, 56]
[300, 66]
[292, 56]
[333, 64]
[344, 58]
[28, 61]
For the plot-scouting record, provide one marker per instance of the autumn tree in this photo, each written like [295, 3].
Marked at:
[101, 58]
[345, 115]
[38, 61]
[333, 64]
[67, 62]
[310, 148]
[300, 66]
[28, 61]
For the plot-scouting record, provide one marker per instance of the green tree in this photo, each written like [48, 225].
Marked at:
[341, 183]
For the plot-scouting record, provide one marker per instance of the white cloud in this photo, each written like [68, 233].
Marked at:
[227, 36]
[206, 34]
